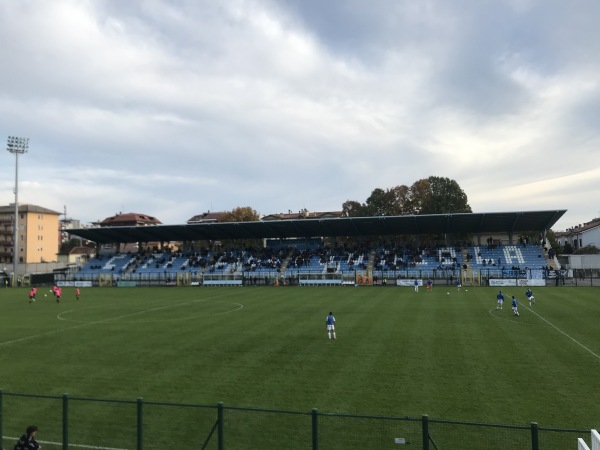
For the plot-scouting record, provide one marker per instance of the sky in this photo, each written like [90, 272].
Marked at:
[172, 108]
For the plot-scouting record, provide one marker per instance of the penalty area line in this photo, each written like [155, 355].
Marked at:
[565, 334]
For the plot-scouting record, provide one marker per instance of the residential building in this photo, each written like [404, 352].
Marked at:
[581, 235]
[38, 235]
[127, 220]
[208, 217]
[304, 214]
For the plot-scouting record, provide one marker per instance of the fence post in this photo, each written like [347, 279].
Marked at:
[1, 420]
[220, 427]
[534, 436]
[65, 421]
[140, 423]
[425, 429]
[315, 429]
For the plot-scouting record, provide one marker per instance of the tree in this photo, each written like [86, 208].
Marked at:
[379, 203]
[241, 214]
[352, 208]
[444, 196]
[400, 198]
[567, 249]
[589, 249]
[433, 195]
[553, 242]
[418, 197]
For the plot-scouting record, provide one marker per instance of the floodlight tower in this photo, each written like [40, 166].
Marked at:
[17, 146]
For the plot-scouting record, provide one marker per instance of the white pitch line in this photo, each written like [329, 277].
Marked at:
[47, 333]
[513, 320]
[562, 332]
[81, 325]
[70, 445]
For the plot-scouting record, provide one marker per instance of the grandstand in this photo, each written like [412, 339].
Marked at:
[323, 263]
[297, 251]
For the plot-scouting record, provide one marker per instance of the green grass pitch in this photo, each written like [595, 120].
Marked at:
[397, 352]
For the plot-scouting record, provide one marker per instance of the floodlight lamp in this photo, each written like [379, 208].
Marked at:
[17, 145]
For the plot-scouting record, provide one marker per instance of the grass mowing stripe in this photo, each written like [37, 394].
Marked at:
[561, 331]
[398, 353]
[112, 319]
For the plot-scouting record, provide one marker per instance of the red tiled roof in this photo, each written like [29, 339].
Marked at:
[129, 219]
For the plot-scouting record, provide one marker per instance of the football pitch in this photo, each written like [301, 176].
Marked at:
[447, 353]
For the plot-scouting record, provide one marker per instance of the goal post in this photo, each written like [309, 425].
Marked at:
[595, 440]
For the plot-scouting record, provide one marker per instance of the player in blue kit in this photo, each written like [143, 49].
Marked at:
[515, 306]
[330, 322]
[500, 299]
[530, 297]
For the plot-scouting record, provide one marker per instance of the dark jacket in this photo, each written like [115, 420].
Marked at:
[27, 443]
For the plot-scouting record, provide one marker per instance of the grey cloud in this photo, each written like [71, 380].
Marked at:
[293, 104]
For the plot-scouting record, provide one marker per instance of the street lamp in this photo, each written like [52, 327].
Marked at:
[17, 146]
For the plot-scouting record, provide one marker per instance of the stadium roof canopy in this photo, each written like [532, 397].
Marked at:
[470, 223]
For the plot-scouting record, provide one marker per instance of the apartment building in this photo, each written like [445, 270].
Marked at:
[38, 236]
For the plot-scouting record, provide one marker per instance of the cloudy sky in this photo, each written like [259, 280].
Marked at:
[175, 107]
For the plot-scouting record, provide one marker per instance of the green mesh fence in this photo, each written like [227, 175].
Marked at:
[349, 432]
[247, 428]
[561, 439]
[20, 411]
[109, 424]
[447, 435]
[167, 425]
[101, 424]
